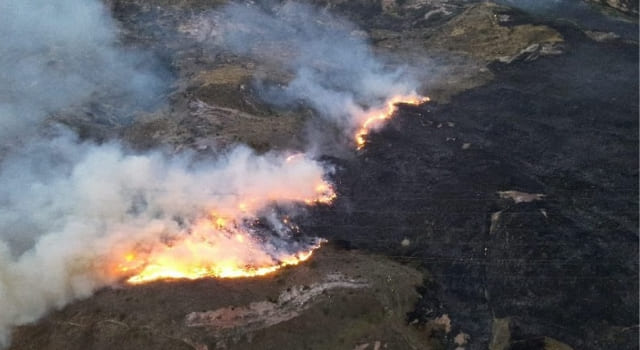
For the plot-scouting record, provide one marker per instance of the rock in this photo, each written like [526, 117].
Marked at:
[309, 306]
[495, 218]
[532, 52]
[461, 339]
[520, 197]
[480, 32]
[627, 6]
[291, 303]
[601, 36]
[552, 344]
[500, 334]
[443, 321]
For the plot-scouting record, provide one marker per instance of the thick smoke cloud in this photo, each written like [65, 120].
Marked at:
[54, 222]
[67, 214]
[335, 69]
[58, 53]
[68, 208]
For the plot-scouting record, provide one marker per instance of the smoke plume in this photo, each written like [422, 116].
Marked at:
[76, 215]
[69, 209]
[56, 54]
[64, 221]
[336, 72]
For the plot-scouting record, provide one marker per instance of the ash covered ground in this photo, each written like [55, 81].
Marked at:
[501, 215]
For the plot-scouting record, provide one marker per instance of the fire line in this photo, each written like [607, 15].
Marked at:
[222, 246]
[375, 118]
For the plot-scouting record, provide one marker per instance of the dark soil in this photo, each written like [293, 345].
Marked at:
[565, 266]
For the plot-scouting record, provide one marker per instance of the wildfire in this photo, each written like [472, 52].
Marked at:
[170, 264]
[223, 244]
[226, 243]
[215, 248]
[325, 195]
[375, 118]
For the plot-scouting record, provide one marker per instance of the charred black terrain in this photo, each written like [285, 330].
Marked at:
[509, 203]
[559, 262]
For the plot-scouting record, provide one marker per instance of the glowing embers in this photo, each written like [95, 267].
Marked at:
[324, 194]
[374, 118]
[219, 247]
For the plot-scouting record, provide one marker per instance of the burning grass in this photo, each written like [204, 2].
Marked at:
[169, 264]
[375, 118]
[238, 241]
[217, 247]
[230, 243]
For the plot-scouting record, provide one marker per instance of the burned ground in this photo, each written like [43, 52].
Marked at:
[511, 199]
[562, 265]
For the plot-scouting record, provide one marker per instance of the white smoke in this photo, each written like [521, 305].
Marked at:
[67, 206]
[58, 53]
[336, 72]
[63, 221]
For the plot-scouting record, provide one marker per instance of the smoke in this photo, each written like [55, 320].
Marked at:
[72, 212]
[69, 209]
[64, 222]
[336, 72]
[52, 222]
[60, 53]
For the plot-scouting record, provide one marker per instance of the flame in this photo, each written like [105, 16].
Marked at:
[221, 222]
[324, 195]
[208, 251]
[375, 118]
[170, 263]
[221, 244]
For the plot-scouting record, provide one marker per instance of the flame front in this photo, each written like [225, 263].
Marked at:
[215, 247]
[244, 236]
[198, 257]
[375, 118]
[224, 243]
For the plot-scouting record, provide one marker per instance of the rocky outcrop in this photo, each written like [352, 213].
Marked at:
[627, 6]
[490, 32]
[338, 300]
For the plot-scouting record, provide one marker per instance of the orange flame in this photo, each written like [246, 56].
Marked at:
[375, 118]
[170, 263]
[217, 246]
